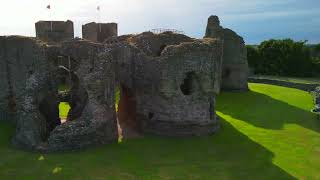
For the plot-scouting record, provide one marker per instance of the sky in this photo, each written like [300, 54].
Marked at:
[254, 20]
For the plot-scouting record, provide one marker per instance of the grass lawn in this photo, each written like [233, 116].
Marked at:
[291, 79]
[64, 108]
[267, 133]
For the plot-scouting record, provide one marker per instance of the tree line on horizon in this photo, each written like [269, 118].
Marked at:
[284, 57]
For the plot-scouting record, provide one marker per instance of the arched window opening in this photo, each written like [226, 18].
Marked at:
[189, 85]
[48, 108]
[64, 86]
[162, 47]
[72, 95]
[128, 124]
[226, 73]
[150, 115]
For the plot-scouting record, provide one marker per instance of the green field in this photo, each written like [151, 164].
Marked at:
[267, 133]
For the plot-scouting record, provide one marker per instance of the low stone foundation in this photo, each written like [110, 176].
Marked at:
[301, 86]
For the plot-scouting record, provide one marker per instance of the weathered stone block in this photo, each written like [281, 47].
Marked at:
[99, 32]
[54, 31]
[235, 70]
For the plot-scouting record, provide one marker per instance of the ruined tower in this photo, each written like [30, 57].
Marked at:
[235, 68]
[167, 83]
[54, 31]
[98, 32]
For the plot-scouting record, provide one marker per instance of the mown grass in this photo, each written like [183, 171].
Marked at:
[64, 108]
[291, 79]
[267, 133]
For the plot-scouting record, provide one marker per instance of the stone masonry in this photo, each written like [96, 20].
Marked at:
[173, 81]
[99, 32]
[26, 82]
[167, 82]
[235, 70]
[54, 31]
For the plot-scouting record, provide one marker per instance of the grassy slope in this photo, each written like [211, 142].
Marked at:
[278, 119]
[292, 79]
[266, 133]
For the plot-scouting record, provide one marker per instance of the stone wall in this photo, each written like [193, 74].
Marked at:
[156, 74]
[26, 81]
[168, 85]
[96, 124]
[99, 32]
[183, 101]
[54, 31]
[30, 93]
[235, 68]
[301, 86]
[154, 44]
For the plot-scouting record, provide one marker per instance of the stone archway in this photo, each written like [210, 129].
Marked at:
[76, 95]
[49, 109]
[128, 124]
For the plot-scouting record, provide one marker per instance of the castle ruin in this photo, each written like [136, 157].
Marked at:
[235, 69]
[167, 82]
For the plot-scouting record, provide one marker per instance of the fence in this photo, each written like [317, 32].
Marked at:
[161, 30]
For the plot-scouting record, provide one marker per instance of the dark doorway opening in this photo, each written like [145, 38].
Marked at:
[189, 84]
[12, 106]
[226, 73]
[48, 107]
[128, 124]
[64, 80]
[64, 100]
[162, 47]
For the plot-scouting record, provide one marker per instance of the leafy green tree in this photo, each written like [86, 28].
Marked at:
[254, 58]
[285, 58]
[317, 47]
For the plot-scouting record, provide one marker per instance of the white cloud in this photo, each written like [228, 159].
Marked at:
[19, 16]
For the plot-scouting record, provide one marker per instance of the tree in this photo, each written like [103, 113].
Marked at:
[285, 57]
[254, 58]
[317, 47]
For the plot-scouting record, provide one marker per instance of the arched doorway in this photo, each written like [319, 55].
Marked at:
[128, 124]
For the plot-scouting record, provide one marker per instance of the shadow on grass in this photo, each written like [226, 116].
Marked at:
[226, 155]
[263, 111]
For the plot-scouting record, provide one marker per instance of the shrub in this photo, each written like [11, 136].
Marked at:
[254, 58]
[317, 47]
[282, 57]
[316, 65]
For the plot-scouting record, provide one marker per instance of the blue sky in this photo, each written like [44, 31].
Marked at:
[255, 20]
